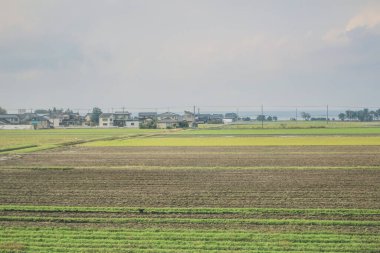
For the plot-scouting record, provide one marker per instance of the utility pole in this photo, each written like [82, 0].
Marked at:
[262, 116]
[327, 114]
[296, 114]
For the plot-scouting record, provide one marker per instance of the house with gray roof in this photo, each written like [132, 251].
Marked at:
[168, 120]
[9, 119]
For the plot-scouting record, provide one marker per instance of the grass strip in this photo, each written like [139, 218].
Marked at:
[53, 239]
[51, 233]
[12, 148]
[169, 210]
[192, 221]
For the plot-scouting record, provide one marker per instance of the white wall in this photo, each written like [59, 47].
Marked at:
[105, 122]
[132, 124]
[227, 121]
[17, 127]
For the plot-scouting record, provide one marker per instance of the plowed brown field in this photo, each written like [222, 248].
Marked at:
[279, 156]
[193, 188]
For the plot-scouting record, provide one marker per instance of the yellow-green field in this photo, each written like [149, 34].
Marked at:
[287, 131]
[242, 141]
[31, 140]
[221, 189]
[300, 124]
[22, 141]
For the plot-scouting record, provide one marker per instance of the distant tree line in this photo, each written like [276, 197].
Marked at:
[361, 115]
[350, 115]
[266, 118]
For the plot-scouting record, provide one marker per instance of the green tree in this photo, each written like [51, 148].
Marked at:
[2, 110]
[261, 118]
[350, 114]
[377, 114]
[149, 124]
[95, 115]
[364, 115]
[305, 115]
[183, 124]
[342, 116]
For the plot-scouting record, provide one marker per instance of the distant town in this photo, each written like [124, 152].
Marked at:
[56, 118]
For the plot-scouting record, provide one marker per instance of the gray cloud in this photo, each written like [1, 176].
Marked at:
[38, 53]
[162, 53]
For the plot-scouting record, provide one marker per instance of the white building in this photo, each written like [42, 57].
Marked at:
[106, 120]
[115, 120]
[227, 121]
[132, 124]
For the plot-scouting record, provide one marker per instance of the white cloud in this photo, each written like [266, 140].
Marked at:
[366, 21]
[368, 18]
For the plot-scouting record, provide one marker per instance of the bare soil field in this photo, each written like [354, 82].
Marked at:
[354, 188]
[301, 156]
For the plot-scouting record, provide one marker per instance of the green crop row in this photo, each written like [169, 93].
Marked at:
[316, 247]
[116, 236]
[279, 211]
[42, 239]
[192, 221]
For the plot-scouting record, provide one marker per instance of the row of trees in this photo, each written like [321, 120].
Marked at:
[307, 116]
[266, 118]
[361, 115]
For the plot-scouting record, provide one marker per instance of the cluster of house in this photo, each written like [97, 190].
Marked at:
[41, 120]
[60, 118]
[161, 120]
[27, 120]
[144, 120]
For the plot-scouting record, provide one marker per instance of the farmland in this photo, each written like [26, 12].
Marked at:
[205, 190]
[283, 124]
[285, 131]
[46, 139]
[243, 141]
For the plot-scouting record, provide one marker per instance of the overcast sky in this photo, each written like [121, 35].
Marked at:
[81, 54]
